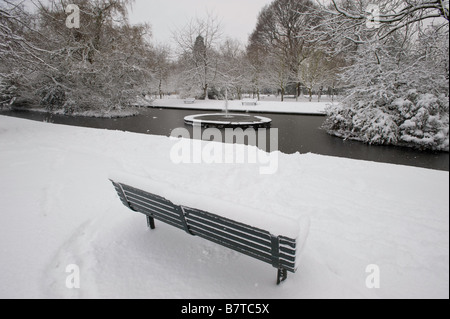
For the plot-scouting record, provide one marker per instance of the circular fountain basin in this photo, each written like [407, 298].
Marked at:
[227, 120]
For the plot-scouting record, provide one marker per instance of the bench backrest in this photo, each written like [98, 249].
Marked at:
[278, 251]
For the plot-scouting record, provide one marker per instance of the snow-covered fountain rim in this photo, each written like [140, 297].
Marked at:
[194, 119]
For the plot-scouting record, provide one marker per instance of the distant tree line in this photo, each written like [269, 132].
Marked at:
[281, 56]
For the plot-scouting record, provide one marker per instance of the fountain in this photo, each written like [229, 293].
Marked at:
[226, 119]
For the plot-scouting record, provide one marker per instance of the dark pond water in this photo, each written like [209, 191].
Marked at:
[297, 133]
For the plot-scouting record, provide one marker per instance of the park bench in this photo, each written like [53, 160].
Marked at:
[189, 100]
[249, 102]
[279, 251]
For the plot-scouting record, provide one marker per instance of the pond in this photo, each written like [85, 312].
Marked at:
[296, 133]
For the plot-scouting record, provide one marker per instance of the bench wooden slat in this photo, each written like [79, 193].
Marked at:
[226, 241]
[154, 202]
[261, 240]
[151, 204]
[232, 244]
[288, 251]
[244, 229]
[161, 200]
[149, 210]
[288, 242]
[156, 215]
[241, 240]
[216, 226]
[216, 240]
[228, 223]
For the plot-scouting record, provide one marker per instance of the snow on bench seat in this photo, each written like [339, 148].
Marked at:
[271, 238]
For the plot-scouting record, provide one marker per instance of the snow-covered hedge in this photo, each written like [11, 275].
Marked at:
[52, 96]
[415, 120]
[8, 89]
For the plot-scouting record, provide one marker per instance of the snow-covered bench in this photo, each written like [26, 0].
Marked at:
[249, 102]
[278, 244]
[190, 100]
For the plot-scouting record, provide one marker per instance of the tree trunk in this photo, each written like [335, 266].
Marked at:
[226, 101]
[205, 92]
[310, 94]
[239, 93]
[96, 40]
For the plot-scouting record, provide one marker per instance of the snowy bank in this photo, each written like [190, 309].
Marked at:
[314, 108]
[101, 113]
[58, 208]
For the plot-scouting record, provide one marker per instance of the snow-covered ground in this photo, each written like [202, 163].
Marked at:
[269, 105]
[58, 208]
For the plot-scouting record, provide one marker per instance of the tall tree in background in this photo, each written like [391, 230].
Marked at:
[197, 43]
[283, 31]
[102, 65]
[256, 56]
[21, 51]
[161, 68]
[232, 73]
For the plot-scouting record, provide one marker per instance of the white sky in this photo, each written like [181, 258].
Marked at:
[238, 16]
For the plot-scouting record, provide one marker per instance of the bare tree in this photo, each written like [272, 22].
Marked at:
[22, 51]
[232, 67]
[314, 72]
[256, 55]
[282, 29]
[102, 65]
[196, 43]
[161, 67]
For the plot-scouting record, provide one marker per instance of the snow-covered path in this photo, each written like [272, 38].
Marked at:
[58, 208]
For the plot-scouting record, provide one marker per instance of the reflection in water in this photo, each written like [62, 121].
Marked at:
[297, 133]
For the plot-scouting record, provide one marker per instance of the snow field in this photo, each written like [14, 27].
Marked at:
[59, 208]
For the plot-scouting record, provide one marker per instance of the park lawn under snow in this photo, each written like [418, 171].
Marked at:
[269, 105]
[57, 208]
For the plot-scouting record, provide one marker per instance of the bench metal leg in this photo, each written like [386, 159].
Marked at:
[281, 275]
[151, 222]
